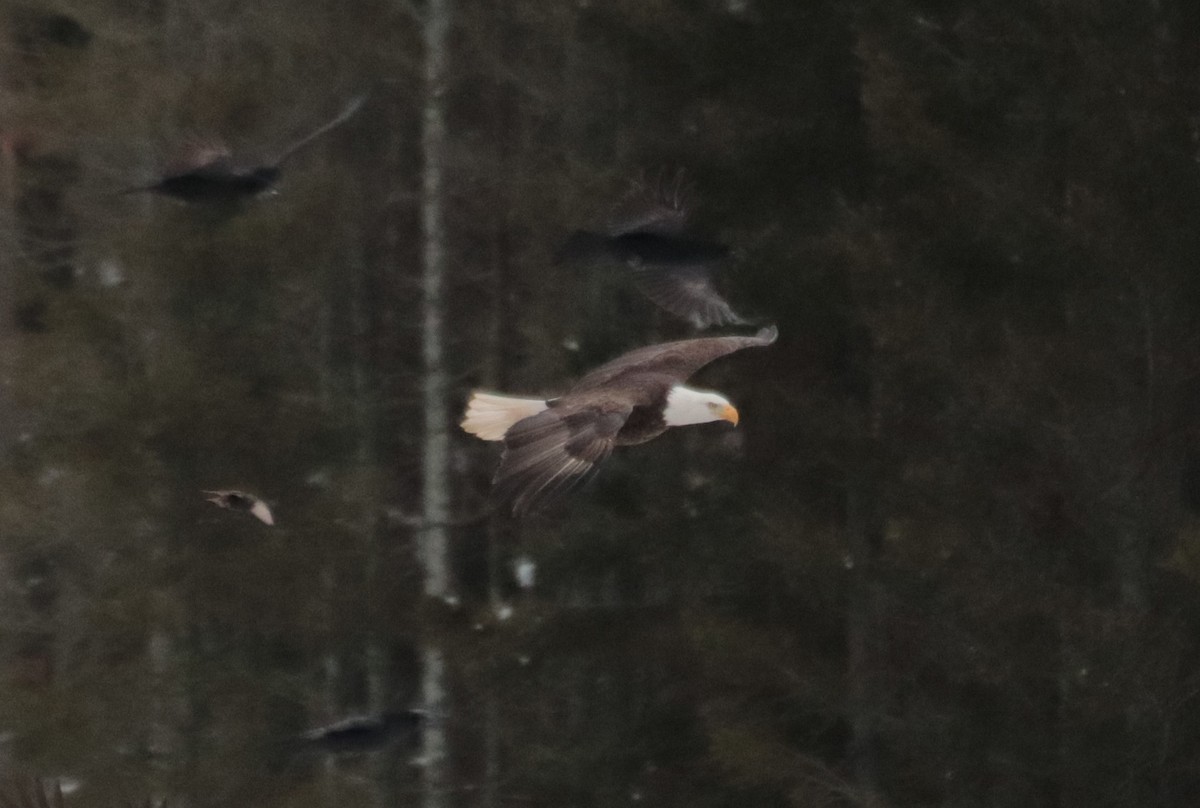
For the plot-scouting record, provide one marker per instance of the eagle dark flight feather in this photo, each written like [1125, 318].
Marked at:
[552, 452]
[619, 403]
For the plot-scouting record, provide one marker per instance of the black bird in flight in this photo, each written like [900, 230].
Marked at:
[207, 173]
[672, 268]
[241, 501]
[363, 733]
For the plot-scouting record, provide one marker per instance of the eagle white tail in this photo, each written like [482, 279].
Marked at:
[489, 416]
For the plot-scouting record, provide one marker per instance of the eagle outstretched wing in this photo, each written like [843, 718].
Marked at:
[552, 452]
[678, 360]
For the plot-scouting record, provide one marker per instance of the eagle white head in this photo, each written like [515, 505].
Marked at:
[687, 406]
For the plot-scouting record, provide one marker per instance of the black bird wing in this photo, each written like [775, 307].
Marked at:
[361, 733]
[660, 219]
[200, 157]
[652, 207]
[31, 793]
[650, 210]
[348, 112]
[583, 245]
[627, 239]
[201, 160]
[677, 360]
[550, 453]
[687, 292]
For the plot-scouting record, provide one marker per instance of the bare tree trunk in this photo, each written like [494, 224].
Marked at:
[436, 440]
[1062, 788]
[165, 716]
[8, 268]
[330, 670]
[436, 444]
[490, 798]
[365, 408]
[863, 529]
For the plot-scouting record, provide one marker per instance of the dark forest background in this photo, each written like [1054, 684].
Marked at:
[951, 557]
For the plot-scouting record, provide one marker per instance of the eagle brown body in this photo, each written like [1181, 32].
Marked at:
[551, 446]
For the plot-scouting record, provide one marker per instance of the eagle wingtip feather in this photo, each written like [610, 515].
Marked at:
[768, 335]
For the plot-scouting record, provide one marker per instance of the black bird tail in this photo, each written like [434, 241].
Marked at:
[584, 246]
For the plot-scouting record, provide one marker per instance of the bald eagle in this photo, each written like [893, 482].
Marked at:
[552, 445]
[207, 173]
[670, 267]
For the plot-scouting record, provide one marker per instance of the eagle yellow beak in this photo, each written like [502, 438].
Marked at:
[730, 414]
